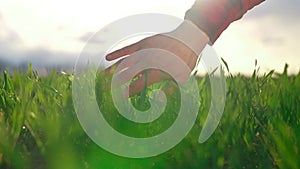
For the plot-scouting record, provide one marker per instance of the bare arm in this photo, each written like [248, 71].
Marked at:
[212, 17]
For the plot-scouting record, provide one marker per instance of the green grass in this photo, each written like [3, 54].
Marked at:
[259, 128]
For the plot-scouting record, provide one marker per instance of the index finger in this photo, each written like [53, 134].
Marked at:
[123, 52]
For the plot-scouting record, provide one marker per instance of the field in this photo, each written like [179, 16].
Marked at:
[260, 127]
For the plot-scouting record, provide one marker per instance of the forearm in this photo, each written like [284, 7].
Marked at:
[214, 16]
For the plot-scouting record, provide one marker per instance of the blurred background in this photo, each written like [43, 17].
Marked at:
[51, 34]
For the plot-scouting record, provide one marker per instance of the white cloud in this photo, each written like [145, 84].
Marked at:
[39, 22]
[272, 40]
[268, 33]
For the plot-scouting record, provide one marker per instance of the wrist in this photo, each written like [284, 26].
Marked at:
[214, 16]
[191, 36]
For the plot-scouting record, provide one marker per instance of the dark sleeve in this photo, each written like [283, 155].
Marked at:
[214, 16]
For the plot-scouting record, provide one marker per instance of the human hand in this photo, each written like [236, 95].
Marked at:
[166, 42]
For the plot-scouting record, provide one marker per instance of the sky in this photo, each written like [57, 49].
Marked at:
[56, 31]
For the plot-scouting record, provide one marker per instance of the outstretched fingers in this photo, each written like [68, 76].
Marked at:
[123, 52]
[147, 79]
